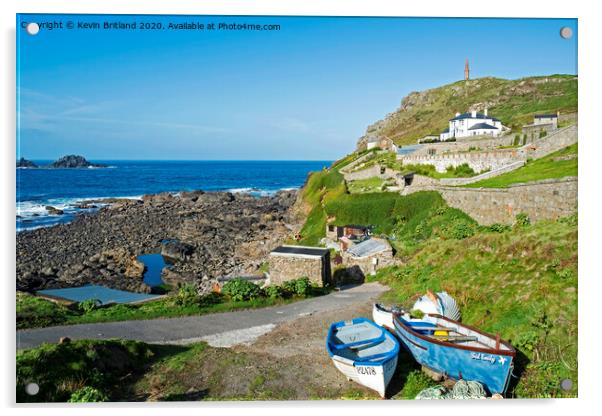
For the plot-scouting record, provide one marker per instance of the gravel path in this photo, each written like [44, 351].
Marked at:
[221, 329]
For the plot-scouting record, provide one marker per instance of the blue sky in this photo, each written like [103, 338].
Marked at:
[307, 91]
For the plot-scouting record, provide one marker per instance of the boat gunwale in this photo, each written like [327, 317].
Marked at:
[511, 352]
[381, 361]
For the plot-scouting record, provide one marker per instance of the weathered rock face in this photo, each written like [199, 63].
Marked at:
[74, 161]
[210, 235]
[175, 250]
[24, 163]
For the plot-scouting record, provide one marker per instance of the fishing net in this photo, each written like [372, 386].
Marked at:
[461, 390]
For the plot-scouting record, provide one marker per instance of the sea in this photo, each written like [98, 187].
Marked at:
[63, 189]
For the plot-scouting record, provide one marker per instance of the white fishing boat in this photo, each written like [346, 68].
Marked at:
[364, 352]
[383, 315]
[432, 303]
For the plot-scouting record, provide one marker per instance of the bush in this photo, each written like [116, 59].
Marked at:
[241, 290]
[463, 170]
[516, 140]
[187, 296]
[297, 287]
[522, 220]
[458, 229]
[210, 299]
[88, 395]
[89, 305]
[302, 287]
[543, 133]
[499, 228]
[274, 292]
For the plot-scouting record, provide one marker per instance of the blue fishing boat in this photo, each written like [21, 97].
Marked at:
[364, 352]
[456, 350]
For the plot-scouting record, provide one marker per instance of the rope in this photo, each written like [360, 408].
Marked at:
[461, 390]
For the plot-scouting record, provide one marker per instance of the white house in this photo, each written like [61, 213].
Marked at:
[472, 124]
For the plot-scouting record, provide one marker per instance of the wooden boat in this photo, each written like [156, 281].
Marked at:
[456, 350]
[364, 352]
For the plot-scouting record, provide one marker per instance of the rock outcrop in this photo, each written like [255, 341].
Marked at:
[205, 235]
[24, 163]
[74, 161]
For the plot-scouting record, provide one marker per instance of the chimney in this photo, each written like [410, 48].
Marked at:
[457, 114]
[474, 113]
[485, 111]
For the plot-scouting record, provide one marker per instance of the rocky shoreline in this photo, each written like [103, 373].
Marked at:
[206, 235]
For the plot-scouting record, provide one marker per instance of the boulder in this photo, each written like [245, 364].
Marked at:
[176, 250]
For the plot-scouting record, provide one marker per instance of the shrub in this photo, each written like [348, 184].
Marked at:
[522, 220]
[499, 228]
[274, 292]
[241, 290]
[187, 296]
[210, 299]
[88, 395]
[297, 287]
[543, 133]
[89, 305]
[458, 229]
[302, 286]
[516, 140]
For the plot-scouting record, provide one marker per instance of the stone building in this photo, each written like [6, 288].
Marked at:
[383, 143]
[541, 123]
[370, 255]
[292, 262]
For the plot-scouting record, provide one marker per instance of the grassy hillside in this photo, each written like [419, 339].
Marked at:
[556, 165]
[512, 101]
[520, 282]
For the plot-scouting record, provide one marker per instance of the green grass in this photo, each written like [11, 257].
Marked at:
[534, 170]
[520, 282]
[63, 369]
[34, 312]
[370, 185]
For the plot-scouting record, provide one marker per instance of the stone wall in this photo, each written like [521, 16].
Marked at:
[552, 142]
[464, 181]
[463, 144]
[548, 199]
[283, 268]
[478, 161]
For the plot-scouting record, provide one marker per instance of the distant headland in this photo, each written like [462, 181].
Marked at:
[69, 161]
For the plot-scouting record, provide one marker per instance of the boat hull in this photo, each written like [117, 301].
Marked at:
[489, 367]
[383, 317]
[375, 377]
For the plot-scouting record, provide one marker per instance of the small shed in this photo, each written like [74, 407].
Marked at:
[292, 262]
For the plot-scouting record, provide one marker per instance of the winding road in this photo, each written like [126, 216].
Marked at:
[219, 329]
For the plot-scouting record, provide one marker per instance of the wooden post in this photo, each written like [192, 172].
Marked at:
[497, 341]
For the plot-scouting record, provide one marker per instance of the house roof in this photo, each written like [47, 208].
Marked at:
[299, 251]
[367, 248]
[477, 116]
[545, 116]
[482, 126]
